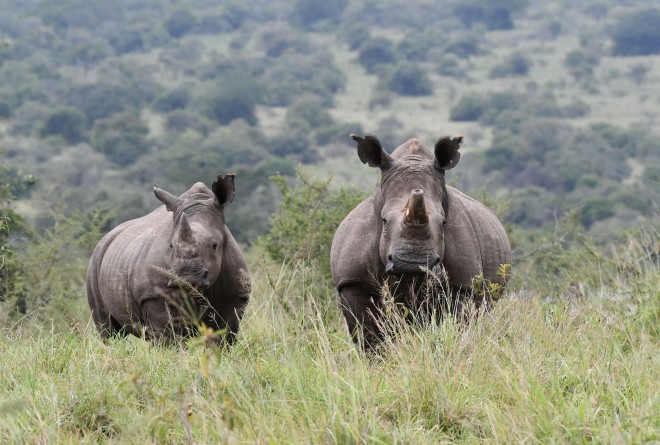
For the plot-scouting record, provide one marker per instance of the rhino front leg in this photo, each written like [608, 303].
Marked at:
[163, 321]
[362, 314]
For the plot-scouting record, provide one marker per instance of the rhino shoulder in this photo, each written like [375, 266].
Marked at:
[475, 240]
[354, 250]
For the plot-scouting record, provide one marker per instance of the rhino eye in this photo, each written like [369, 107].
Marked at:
[171, 246]
[384, 220]
[215, 246]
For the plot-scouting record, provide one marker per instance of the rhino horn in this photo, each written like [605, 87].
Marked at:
[415, 209]
[185, 231]
[171, 202]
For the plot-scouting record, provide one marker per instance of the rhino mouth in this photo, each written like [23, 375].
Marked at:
[399, 266]
[198, 281]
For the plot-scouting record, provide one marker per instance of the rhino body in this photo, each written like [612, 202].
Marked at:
[161, 274]
[413, 223]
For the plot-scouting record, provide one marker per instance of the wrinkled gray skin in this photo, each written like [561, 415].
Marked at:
[145, 277]
[411, 223]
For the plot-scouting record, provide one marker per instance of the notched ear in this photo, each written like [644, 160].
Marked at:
[171, 202]
[446, 153]
[223, 188]
[371, 152]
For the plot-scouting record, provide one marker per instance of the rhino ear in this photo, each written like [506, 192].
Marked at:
[223, 188]
[171, 202]
[446, 153]
[370, 151]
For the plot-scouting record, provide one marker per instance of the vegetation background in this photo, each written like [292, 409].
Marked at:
[558, 103]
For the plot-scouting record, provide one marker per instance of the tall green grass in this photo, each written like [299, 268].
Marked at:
[578, 369]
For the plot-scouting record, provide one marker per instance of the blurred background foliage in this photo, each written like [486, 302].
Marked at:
[558, 103]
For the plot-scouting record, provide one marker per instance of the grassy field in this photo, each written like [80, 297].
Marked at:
[582, 368]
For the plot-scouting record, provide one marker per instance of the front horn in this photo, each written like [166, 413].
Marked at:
[415, 209]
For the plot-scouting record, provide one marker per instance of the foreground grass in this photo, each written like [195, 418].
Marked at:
[532, 371]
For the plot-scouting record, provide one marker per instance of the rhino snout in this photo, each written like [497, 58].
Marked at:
[198, 281]
[398, 265]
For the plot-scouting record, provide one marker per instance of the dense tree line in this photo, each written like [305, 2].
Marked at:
[107, 97]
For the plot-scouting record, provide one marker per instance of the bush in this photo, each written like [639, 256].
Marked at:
[580, 64]
[464, 46]
[180, 121]
[49, 268]
[305, 223]
[514, 65]
[355, 35]
[410, 80]
[180, 23]
[470, 107]
[376, 51]
[596, 209]
[292, 76]
[280, 39]
[102, 100]
[337, 132]
[651, 176]
[122, 138]
[309, 110]
[637, 33]
[416, 46]
[231, 98]
[307, 12]
[294, 143]
[68, 123]
[171, 100]
[449, 65]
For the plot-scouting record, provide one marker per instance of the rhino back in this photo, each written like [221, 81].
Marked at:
[475, 241]
[354, 253]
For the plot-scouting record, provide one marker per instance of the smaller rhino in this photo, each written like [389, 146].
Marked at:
[158, 276]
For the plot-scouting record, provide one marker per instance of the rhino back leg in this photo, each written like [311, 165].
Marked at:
[362, 312]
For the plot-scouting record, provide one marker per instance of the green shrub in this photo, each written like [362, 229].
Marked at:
[470, 107]
[355, 35]
[307, 12]
[514, 65]
[66, 122]
[637, 33]
[291, 77]
[581, 64]
[596, 209]
[376, 51]
[231, 98]
[410, 80]
[180, 22]
[309, 110]
[495, 15]
[171, 100]
[43, 275]
[122, 138]
[306, 221]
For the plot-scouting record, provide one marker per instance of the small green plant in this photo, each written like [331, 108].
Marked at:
[306, 221]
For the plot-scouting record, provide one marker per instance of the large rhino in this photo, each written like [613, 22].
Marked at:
[414, 223]
[159, 275]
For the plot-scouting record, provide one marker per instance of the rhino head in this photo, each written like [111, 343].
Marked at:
[411, 202]
[197, 240]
